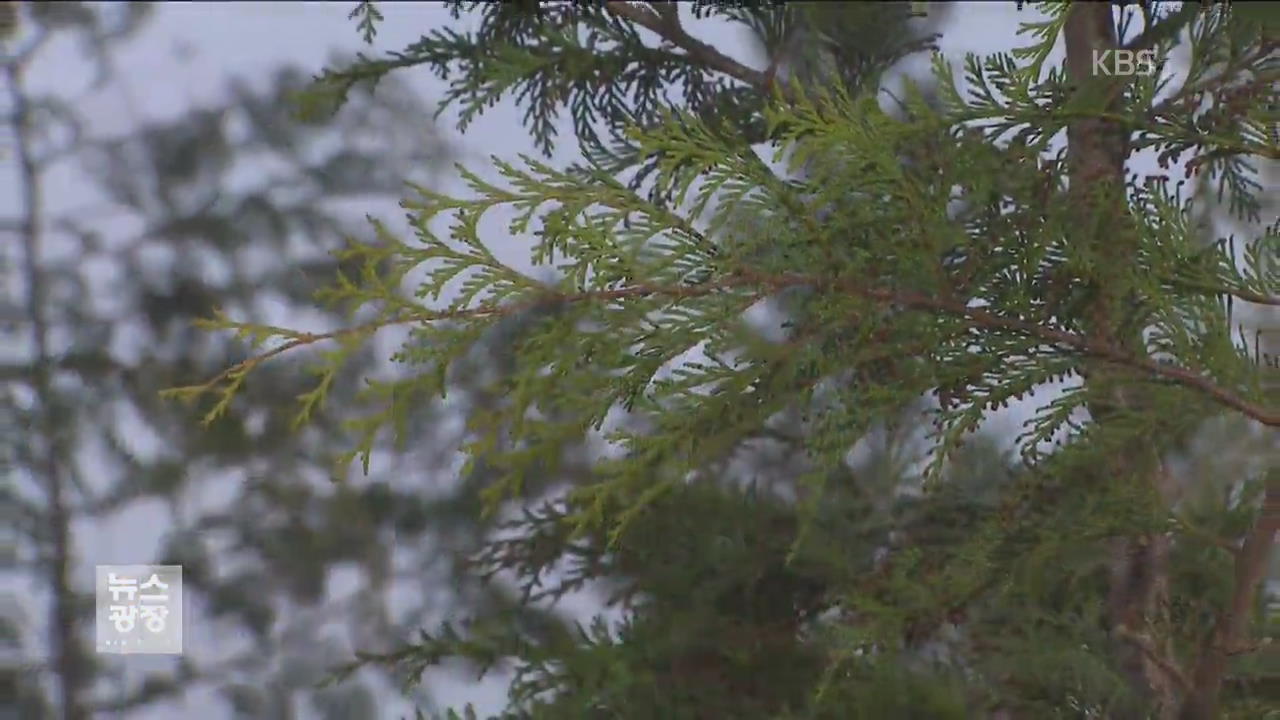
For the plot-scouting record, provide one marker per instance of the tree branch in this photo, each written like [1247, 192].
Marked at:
[1166, 29]
[667, 26]
[1246, 295]
[1191, 529]
[1090, 347]
[1167, 665]
[914, 301]
[1227, 637]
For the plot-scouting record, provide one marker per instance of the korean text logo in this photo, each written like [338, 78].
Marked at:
[139, 609]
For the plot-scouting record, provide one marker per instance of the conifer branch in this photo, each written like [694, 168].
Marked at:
[899, 254]
[1108, 352]
[1081, 343]
[667, 26]
[1190, 528]
[1157, 31]
[1166, 665]
[1239, 294]
[1227, 638]
[296, 340]
[773, 284]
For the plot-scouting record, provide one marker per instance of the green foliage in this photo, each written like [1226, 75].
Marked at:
[569, 54]
[924, 261]
[369, 16]
[602, 238]
[580, 58]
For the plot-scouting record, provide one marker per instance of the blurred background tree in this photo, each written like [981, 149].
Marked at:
[231, 206]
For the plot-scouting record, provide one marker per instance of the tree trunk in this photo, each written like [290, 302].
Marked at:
[1227, 636]
[1097, 150]
[69, 661]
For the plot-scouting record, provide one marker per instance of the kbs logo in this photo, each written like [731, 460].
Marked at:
[1124, 62]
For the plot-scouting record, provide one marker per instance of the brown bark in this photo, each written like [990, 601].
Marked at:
[1097, 150]
[1228, 632]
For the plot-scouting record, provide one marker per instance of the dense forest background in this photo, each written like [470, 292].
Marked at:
[152, 184]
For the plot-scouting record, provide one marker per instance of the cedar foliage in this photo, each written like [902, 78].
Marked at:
[930, 257]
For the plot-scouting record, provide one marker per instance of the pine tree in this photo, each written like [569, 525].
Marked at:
[944, 253]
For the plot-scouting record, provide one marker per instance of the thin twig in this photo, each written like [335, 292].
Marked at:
[1081, 343]
[1246, 295]
[667, 26]
[1168, 666]
[1156, 31]
[1195, 531]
